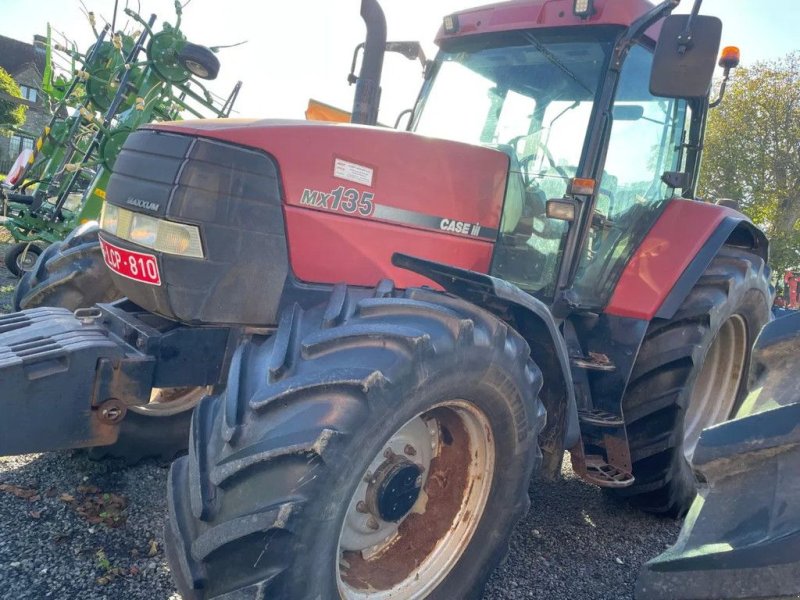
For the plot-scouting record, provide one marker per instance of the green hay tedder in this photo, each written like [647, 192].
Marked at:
[122, 81]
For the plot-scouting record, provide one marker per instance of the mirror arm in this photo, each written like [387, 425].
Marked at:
[722, 87]
[686, 38]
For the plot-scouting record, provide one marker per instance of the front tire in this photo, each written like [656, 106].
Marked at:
[70, 274]
[345, 449]
[689, 375]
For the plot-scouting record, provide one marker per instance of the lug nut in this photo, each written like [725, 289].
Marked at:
[372, 523]
[410, 450]
[361, 507]
[388, 454]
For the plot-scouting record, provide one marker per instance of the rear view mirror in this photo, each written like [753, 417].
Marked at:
[628, 112]
[684, 61]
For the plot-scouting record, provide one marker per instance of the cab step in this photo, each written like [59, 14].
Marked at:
[595, 361]
[597, 470]
[603, 474]
[599, 418]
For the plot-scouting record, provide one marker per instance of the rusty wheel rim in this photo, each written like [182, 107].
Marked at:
[714, 394]
[27, 260]
[165, 402]
[452, 446]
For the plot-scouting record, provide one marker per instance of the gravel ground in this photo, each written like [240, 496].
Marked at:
[73, 528]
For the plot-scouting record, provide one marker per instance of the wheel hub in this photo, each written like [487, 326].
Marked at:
[414, 511]
[394, 489]
[387, 488]
[26, 261]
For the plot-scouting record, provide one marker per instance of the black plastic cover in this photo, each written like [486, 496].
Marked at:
[233, 195]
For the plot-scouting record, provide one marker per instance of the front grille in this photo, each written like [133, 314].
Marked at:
[232, 194]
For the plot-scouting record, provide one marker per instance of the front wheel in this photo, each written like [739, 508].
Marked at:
[70, 274]
[159, 429]
[379, 448]
[21, 258]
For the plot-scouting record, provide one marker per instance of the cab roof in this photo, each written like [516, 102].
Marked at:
[538, 14]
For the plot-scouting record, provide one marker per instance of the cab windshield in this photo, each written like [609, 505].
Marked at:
[531, 98]
[531, 94]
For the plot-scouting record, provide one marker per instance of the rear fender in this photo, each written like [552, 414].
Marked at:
[733, 231]
[534, 321]
[674, 255]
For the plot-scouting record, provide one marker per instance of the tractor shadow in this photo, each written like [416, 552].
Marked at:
[578, 542]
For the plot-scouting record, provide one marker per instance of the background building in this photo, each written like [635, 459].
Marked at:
[25, 63]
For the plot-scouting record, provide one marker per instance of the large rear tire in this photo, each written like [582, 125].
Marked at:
[689, 375]
[382, 445]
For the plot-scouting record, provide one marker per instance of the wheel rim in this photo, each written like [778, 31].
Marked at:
[453, 446]
[26, 260]
[196, 68]
[714, 393]
[165, 402]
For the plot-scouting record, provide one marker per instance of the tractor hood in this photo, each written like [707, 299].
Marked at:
[202, 217]
[402, 171]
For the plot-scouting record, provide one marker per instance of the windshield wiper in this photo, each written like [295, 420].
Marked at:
[553, 59]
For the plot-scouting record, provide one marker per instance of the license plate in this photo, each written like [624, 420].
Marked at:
[133, 265]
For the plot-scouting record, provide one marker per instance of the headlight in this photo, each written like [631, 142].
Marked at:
[583, 8]
[177, 238]
[150, 232]
[144, 230]
[109, 218]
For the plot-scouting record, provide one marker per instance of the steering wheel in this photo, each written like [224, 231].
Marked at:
[528, 158]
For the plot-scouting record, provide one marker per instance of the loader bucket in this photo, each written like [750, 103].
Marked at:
[741, 537]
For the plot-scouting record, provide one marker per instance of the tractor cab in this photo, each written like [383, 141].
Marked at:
[565, 94]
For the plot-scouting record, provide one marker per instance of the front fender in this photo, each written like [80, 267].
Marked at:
[534, 321]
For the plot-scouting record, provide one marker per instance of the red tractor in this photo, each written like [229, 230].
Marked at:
[384, 318]
[791, 282]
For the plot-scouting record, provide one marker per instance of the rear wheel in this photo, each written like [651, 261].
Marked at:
[378, 448]
[21, 258]
[690, 375]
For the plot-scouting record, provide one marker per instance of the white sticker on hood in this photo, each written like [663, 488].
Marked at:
[352, 172]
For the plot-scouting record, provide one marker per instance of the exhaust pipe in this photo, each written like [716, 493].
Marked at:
[368, 87]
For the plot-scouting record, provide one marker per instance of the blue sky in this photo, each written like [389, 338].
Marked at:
[302, 48]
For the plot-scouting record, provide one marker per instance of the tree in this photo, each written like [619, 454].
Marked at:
[12, 112]
[752, 153]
